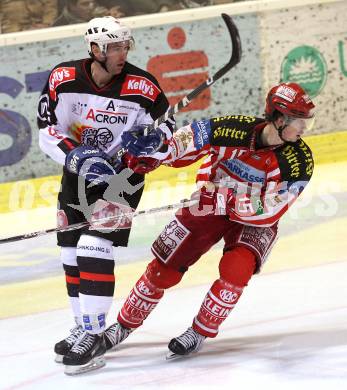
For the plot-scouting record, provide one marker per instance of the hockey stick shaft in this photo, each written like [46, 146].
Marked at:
[76, 226]
[234, 60]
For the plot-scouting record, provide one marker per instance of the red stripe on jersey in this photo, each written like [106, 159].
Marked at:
[72, 280]
[97, 277]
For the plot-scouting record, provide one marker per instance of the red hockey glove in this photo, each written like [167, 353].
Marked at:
[140, 165]
[213, 201]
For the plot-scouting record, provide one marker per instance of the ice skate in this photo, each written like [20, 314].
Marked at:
[86, 354]
[63, 347]
[188, 342]
[115, 334]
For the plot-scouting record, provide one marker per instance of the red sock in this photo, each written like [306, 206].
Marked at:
[217, 305]
[143, 298]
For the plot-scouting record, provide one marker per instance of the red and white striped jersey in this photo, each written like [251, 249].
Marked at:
[264, 181]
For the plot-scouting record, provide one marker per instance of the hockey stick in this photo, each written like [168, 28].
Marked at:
[76, 226]
[234, 60]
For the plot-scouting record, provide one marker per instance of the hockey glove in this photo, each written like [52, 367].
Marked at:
[140, 165]
[90, 163]
[213, 201]
[139, 144]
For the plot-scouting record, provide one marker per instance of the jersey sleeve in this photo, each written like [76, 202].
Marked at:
[209, 136]
[260, 207]
[182, 148]
[53, 136]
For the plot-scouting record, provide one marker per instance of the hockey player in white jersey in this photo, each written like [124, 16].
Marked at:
[84, 108]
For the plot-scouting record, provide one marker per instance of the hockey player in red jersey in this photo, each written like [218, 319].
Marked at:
[253, 170]
[84, 108]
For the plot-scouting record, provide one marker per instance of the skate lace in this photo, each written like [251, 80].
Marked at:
[83, 344]
[117, 333]
[75, 333]
[190, 338]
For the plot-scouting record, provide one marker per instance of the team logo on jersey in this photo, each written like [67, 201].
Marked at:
[60, 76]
[138, 85]
[97, 138]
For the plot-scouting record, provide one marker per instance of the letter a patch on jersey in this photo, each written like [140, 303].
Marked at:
[59, 76]
[138, 85]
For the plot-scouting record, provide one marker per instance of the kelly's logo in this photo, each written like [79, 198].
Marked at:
[59, 76]
[137, 85]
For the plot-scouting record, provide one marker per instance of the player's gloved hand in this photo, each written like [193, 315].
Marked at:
[140, 165]
[212, 200]
[139, 144]
[90, 163]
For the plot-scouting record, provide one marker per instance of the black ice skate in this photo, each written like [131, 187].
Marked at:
[188, 342]
[115, 334]
[63, 347]
[86, 354]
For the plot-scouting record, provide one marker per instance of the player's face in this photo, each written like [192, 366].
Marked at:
[296, 127]
[116, 56]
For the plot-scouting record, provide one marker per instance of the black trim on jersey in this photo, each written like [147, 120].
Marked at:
[295, 160]
[233, 130]
[87, 68]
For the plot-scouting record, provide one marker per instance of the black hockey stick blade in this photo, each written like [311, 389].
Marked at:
[235, 58]
[76, 226]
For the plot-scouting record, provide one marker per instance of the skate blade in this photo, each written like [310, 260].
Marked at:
[174, 356]
[58, 358]
[94, 364]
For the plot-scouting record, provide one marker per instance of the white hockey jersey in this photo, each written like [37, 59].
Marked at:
[73, 110]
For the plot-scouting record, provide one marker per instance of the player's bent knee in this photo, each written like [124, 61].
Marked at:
[161, 275]
[237, 266]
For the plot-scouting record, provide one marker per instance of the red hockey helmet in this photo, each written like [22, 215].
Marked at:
[289, 99]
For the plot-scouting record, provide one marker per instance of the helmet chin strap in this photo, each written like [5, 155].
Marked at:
[280, 130]
[102, 63]
[103, 50]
